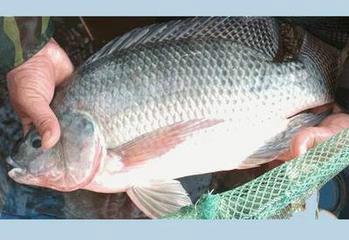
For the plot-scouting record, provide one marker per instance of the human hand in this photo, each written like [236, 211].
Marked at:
[309, 137]
[31, 89]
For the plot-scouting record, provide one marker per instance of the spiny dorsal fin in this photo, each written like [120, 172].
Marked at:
[260, 34]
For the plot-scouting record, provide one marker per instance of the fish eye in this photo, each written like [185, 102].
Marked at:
[36, 143]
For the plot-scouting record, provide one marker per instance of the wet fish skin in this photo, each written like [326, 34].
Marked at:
[152, 87]
[133, 92]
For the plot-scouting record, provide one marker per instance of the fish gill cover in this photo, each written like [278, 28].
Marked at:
[268, 196]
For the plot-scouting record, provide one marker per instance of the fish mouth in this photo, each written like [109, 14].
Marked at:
[12, 162]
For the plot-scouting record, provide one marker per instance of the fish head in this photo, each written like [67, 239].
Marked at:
[28, 154]
[67, 166]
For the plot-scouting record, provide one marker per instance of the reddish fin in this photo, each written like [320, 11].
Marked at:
[158, 142]
[159, 198]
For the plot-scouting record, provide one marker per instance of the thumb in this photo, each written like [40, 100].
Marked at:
[46, 124]
[308, 138]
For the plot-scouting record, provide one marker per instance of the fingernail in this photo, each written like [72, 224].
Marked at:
[46, 138]
[302, 150]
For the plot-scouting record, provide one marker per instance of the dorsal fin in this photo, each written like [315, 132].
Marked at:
[260, 34]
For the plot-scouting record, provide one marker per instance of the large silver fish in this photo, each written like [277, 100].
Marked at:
[178, 99]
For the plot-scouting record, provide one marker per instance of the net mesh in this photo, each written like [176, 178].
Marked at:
[277, 193]
[332, 30]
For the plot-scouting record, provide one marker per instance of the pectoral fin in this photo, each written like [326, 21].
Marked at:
[159, 198]
[158, 142]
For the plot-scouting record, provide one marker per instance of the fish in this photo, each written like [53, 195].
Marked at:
[177, 99]
[23, 201]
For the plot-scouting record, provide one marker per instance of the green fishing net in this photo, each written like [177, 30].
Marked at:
[279, 192]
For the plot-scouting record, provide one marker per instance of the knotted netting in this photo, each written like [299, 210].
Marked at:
[274, 194]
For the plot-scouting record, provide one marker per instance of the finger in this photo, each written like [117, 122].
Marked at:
[26, 128]
[26, 124]
[303, 141]
[46, 123]
[308, 138]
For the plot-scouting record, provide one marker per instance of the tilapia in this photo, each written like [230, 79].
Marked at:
[177, 99]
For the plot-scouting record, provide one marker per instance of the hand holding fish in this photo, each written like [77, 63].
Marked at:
[31, 88]
[330, 126]
[156, 105]
[309, 137]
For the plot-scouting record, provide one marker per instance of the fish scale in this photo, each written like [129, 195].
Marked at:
[155, 83]
[142, 112]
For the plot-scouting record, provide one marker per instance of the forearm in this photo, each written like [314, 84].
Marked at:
[21, 38]
[35, 65]
[50, 63]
